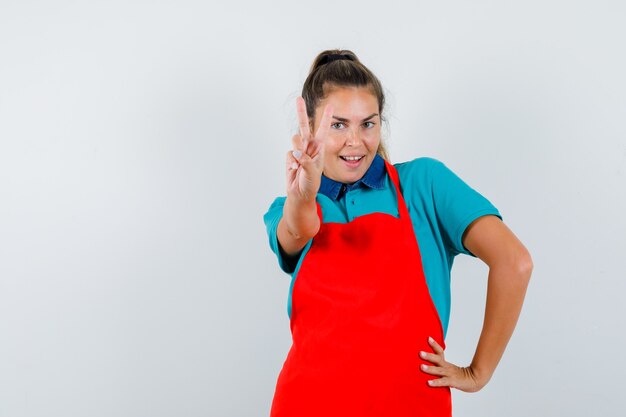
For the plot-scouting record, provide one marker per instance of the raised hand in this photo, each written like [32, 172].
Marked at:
[305, 162]
[464, 379]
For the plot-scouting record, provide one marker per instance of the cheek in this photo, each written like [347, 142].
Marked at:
[334, 143]
[372, 138]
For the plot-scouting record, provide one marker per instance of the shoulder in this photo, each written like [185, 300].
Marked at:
[419, 171]
[275, 211]
[421, 165]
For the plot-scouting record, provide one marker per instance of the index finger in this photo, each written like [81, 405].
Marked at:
[303, 119]
[324, 126]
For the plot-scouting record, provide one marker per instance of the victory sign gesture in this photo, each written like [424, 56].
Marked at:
[305, 162]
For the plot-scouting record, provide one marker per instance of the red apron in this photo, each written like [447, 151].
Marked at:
[361, 313]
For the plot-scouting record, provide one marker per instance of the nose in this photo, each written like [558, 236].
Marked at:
[353, 138]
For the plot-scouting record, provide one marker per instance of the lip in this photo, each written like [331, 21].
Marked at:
[352, 164]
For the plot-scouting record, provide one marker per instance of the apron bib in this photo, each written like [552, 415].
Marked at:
[361, 313]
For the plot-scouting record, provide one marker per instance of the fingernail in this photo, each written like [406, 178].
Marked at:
[424, 367]
[294, 165]
[423, 354]
[430, 382]
[297, 154]
[430, 339]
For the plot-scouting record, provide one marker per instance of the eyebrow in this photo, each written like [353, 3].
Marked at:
[342, 119]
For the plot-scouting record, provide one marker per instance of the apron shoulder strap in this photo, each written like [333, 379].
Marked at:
[393, 173]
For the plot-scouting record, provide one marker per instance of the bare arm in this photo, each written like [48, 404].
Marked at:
[298, 224]
[510, 267]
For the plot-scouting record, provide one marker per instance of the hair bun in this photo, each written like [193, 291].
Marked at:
[334, 57]
[331, 55]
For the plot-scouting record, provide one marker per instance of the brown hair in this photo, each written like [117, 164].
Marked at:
[328, 72]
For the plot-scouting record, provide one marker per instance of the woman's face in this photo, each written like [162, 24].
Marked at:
[354, 133]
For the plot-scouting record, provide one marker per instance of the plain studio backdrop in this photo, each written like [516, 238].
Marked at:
[142, 142]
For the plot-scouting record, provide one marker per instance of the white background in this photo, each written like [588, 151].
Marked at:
[142, 142]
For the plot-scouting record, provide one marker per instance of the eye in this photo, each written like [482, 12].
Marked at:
[369, 125]
[337, 125]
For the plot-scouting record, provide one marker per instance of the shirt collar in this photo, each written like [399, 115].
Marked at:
[374, 178]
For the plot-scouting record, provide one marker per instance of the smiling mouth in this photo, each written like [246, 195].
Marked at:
[351, 158]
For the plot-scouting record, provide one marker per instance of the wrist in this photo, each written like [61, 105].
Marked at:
[481, 374]
[300, 204]
[301, 201]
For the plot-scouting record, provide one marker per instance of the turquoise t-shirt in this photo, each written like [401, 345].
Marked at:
[441, 206]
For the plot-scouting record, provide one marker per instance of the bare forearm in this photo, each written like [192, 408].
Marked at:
[298, 224]
[506, 290]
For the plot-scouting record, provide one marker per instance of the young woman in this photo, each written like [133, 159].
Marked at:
[370, 245]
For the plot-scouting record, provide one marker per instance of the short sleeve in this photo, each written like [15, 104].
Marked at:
[457, 205]
[271, 218]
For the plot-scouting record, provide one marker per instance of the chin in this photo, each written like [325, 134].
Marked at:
[346, 177]
[353, 177]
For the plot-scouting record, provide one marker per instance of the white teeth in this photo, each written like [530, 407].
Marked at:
[351, 158]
